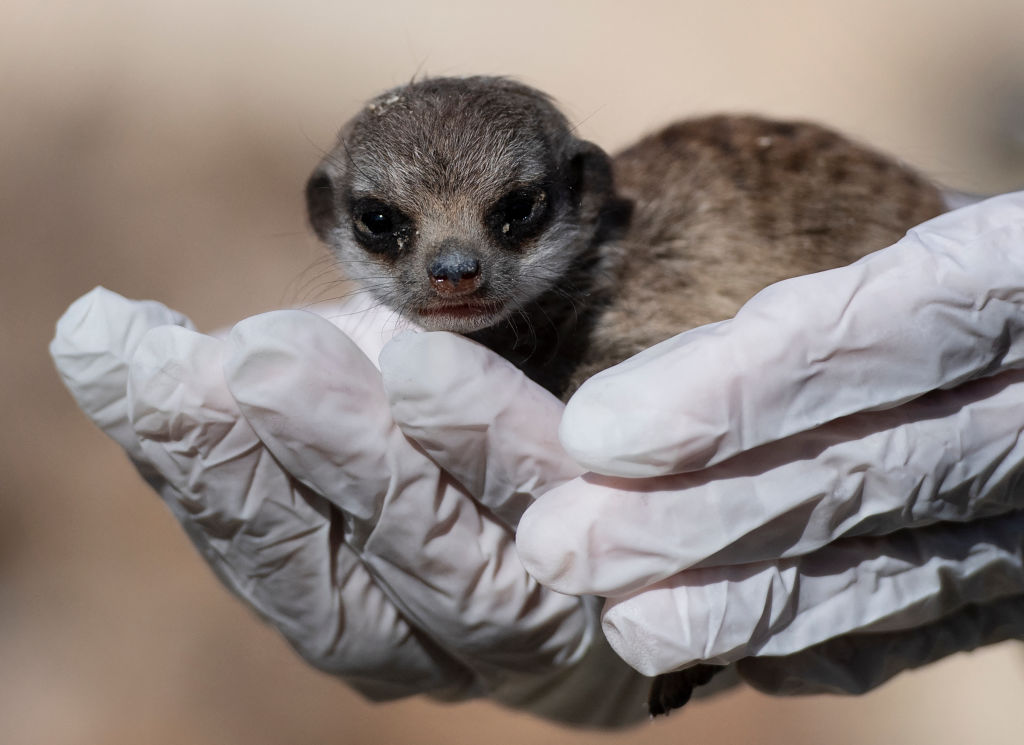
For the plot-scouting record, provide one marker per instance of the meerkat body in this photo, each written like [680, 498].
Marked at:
[469, 206]
[726, 205]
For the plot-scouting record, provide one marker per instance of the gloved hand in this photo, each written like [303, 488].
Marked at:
[828, 487]
[309, 555]
[277, 452]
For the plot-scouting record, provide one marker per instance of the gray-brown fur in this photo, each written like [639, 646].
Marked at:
[721, 207]
[676, 231]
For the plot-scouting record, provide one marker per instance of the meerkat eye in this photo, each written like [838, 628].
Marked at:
[519, 205]
[519, 215]
[377, 222]
[379, 227]
[375, 218]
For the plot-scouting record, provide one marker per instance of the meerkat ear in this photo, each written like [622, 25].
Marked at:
[590, 176]
[592, 185]
[321, 205]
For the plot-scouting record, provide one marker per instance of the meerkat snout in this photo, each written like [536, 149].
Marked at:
[454, 273]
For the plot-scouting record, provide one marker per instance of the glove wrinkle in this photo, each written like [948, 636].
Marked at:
[780, 608]
[478, 417]
[951, 456]
[467, 598]
[266, 537]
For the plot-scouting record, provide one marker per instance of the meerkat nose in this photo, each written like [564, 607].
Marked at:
[454, 273]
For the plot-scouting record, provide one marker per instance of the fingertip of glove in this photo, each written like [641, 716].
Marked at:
[651, 631]
[94, 341]
[279, 324]
[627, 640]
[430, 366]
[173, 373]
[104, 322]
[412, 346]
[298, 335]
[405, 341]
[164, 347]
[599, 433]
[273, 343]
[542, 549]
[588, 427]
[76, 316]
[294, 364]
[405, 354]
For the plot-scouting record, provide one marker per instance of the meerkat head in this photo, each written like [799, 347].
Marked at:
[456, 201]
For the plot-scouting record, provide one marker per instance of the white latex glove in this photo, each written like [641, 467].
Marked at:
[276, 451]
[834, 475]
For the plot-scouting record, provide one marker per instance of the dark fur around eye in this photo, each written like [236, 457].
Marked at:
[379, 227]
[519, 215]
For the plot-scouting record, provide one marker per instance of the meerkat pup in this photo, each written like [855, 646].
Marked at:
[469, 205]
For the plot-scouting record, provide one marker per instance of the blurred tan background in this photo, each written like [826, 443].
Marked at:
[161, 149]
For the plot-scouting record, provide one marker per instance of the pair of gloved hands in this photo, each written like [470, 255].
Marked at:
[825, 489]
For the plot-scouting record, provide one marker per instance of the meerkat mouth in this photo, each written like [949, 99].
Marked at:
[468, 315]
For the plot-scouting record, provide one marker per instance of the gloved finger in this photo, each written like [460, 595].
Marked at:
[95, 339]
[274, 543]
[888, 583]
[320, 407]
[941, 306]
[478, 417]
[365, 320]
[951, 456]
[857, 663]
